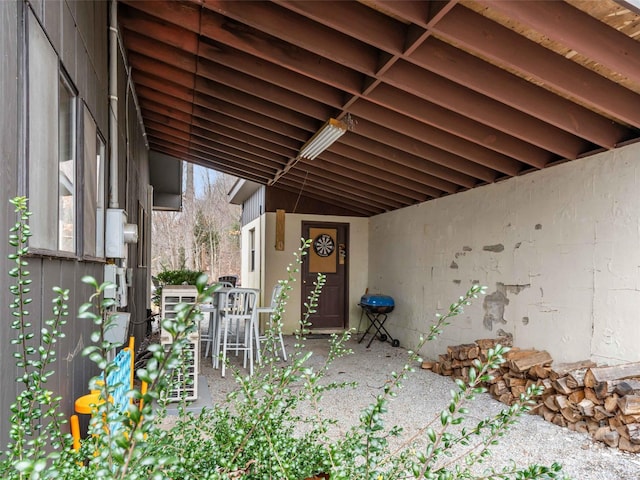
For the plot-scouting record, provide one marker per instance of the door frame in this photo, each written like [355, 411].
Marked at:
[343, 233]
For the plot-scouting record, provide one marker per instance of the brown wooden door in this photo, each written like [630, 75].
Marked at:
[328, 254]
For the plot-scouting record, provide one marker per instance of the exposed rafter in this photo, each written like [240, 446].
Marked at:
[440, 97]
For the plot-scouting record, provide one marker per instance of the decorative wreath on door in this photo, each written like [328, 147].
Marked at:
[324, 245]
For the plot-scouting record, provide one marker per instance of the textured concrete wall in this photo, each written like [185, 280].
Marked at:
[559, 251]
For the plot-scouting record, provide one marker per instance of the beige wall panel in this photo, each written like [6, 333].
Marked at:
[559, 251]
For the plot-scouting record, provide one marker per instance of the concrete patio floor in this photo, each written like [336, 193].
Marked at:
[422, 397]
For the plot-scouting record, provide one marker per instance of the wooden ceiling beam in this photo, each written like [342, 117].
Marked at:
[395, 122]
[171, 34]
[245, 131]
[361, 172]
[325, 70]
[576, 29]
[372, 185]
[264, 90]
[371, 28]
[339, 197]
[355, 207]
[207, 107]
[151, 66]
[364, 172]
[185, 15]
[158, 84]
[368, 147]
[559, 74]
[504, 87]
[382, 166]
[340, 184]
[235, 149]
[296, 30]
[147, 104]
[279, 113]
[165, 53]
[219, 132]
[456, 124]
[220, 165]
[161, 98]
[270, 72]
[436, 89]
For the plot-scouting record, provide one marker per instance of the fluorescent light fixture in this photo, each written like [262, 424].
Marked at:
[323, 139]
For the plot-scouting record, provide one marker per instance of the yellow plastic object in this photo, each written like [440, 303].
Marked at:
[87, 403]
[143, 391]
[75, 432]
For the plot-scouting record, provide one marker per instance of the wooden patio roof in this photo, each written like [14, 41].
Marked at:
[439, 96]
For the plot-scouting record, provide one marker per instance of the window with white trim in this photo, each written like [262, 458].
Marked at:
[252, 250]
[52, 133]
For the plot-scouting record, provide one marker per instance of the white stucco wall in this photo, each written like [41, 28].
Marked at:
[273, 264]
[559, 250]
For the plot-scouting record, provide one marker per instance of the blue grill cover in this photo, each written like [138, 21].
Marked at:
[377, 303]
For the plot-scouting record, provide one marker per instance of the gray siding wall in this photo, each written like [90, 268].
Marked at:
[8, 188]
[78, 31]
[253, 207]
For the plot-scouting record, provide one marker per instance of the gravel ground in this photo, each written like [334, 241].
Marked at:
[424, 394]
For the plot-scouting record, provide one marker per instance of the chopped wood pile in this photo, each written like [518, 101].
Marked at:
[602, 401]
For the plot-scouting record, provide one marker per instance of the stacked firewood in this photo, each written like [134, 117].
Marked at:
[602, 401]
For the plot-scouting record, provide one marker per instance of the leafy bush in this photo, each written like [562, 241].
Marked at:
[173, 277]
[256, 433]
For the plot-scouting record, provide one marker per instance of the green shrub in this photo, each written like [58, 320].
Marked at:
[255, 433]
[173, 277]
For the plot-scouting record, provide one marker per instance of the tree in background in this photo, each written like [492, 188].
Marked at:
[205, 235]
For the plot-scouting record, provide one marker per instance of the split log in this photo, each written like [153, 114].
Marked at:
[586, 407]
[599, 413]
[563, 369]
[545, 413]
[517, 352]
[523, 362]
[576, 396]
[627, 446]
[608, 436]
[464, 352]
[629, 404]
[559, 420]
[581, 426]
[561, 401]
[547, 386]
[575, 378]
[498, 388]
[628, 419]
[570, 414]
[597, 375]
[633, 433]
[591, 395]
[487, 343]
[627, 387]
[513, 381]
[550, 403]
[518, 390]
[616, 422]
[561, 386]
[428, 365]
[592, 426]
[539, 371]
[611, 403]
